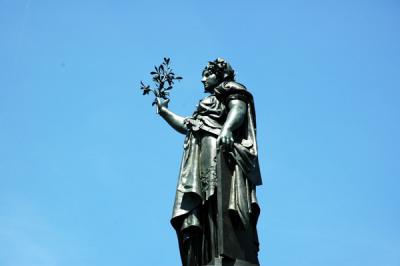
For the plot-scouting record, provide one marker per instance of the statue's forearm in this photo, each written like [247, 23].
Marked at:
[174, 120]
[235, 116]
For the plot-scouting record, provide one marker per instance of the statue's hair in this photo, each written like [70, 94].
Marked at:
[221, 68]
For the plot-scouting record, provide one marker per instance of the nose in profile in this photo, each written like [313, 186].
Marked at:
[203, 79]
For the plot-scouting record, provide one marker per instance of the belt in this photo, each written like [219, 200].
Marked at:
[196, 125]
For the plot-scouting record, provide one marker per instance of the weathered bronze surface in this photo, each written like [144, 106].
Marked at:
[215, 211]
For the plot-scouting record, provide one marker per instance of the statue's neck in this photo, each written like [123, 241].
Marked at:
[212, 90]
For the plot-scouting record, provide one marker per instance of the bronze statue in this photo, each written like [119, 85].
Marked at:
[215, 211]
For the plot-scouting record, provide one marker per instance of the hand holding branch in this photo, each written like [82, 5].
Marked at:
[163, 78]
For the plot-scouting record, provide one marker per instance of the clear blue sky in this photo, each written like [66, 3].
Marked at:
[88, 171]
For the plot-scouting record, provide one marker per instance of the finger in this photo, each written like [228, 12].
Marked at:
[228, 142]
[231, 143]
[220, 146]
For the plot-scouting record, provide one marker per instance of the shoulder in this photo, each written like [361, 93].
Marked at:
[234, 86]
[233, 90]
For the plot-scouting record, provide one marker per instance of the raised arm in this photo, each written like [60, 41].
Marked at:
[174, 120]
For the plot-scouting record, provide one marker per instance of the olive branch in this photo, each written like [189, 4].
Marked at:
[163, 78]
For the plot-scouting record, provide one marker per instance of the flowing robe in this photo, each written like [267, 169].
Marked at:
[215, 211]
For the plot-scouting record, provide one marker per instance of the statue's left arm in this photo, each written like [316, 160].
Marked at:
[235, 118]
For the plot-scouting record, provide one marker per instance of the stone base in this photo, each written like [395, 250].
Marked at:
[230, 262]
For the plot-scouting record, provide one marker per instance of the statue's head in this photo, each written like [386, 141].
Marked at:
[215, 73]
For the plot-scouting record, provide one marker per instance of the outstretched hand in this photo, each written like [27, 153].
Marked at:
[160, 104]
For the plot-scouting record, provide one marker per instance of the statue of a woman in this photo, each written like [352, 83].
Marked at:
[215, 211]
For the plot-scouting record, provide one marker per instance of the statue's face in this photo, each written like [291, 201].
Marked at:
[210, 81]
